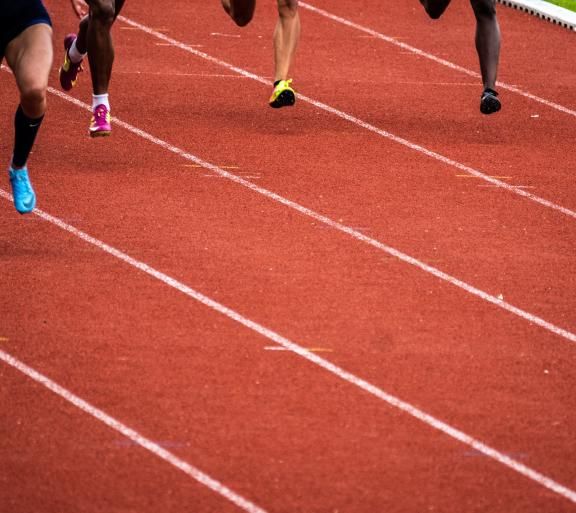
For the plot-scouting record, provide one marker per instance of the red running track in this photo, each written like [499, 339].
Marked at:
[274, 428]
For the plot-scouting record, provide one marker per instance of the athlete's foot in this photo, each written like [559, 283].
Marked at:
[24, 197]
[69, 70]
[489, 102]
[283, 95]
[100, 123]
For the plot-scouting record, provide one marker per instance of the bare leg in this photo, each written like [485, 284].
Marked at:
[82, 38]
[99, 43]
[487, 40]
[286, 37]
[29, 56]
[241, 11]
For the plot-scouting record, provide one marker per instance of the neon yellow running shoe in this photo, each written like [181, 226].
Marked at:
[283, 95]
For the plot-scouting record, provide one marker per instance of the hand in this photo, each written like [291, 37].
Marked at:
[80, 7]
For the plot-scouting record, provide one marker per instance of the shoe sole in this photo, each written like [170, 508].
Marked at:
[284, 99]
[490, 105]
[99, 133]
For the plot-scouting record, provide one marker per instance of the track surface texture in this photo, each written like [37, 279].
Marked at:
[365, 303]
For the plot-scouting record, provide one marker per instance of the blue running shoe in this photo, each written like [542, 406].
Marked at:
[24, 197]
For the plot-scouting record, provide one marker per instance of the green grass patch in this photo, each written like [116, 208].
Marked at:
[567, 4]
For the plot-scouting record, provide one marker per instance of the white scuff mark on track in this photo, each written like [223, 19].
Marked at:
[220, 34]
[170, 44]
[360, 123]
[129, 433]
[275, 337]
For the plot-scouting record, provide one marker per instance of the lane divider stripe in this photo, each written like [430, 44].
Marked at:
[377, 392]
[131, 434]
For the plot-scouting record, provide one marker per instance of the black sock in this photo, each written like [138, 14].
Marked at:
[277, 82]
[25, 130]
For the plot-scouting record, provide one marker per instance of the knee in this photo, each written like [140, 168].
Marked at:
[103, 10]
[287, 8]
[484, 8]
[33, 100]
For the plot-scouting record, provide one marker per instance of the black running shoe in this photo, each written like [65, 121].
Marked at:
[489, 102]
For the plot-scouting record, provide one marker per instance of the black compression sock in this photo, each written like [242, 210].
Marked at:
[25, 130]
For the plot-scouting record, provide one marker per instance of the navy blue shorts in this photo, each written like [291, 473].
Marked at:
[16, 16]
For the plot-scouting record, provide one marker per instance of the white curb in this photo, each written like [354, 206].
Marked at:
[545, 10]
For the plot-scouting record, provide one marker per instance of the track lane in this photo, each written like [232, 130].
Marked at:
[151, 174]
[64, 460]
[120, 387]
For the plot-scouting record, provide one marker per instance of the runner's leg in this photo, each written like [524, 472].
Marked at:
[286, 37]
[241, 11]
[29, 56]
[487, 40]
[435, 8]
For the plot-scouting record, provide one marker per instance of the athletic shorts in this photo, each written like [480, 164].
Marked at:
[16, 16]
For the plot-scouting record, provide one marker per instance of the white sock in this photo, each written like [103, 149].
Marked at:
[100, 99]
[74, 54]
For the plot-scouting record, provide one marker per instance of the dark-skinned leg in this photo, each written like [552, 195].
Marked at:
[488, 48]
[99, 43]
[487, 40]
[241, 11]
[435, 8]
[81, 39]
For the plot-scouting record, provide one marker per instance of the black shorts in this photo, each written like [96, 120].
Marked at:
[16, 16]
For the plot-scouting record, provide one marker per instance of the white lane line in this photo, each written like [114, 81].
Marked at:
[359, 122]
[131, 434]
[393, 401]
[432, 57]
[334, 224]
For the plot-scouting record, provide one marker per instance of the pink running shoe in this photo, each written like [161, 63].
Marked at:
[100, 122]
[69, 71]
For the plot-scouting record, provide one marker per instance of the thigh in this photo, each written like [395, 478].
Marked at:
[16, 17]
[29, 56]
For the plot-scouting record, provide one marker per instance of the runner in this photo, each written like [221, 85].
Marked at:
[26, 43]
[487, 45]
[286, 37]
[93, 39]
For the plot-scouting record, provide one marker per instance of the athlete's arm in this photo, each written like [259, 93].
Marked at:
[80, 7]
